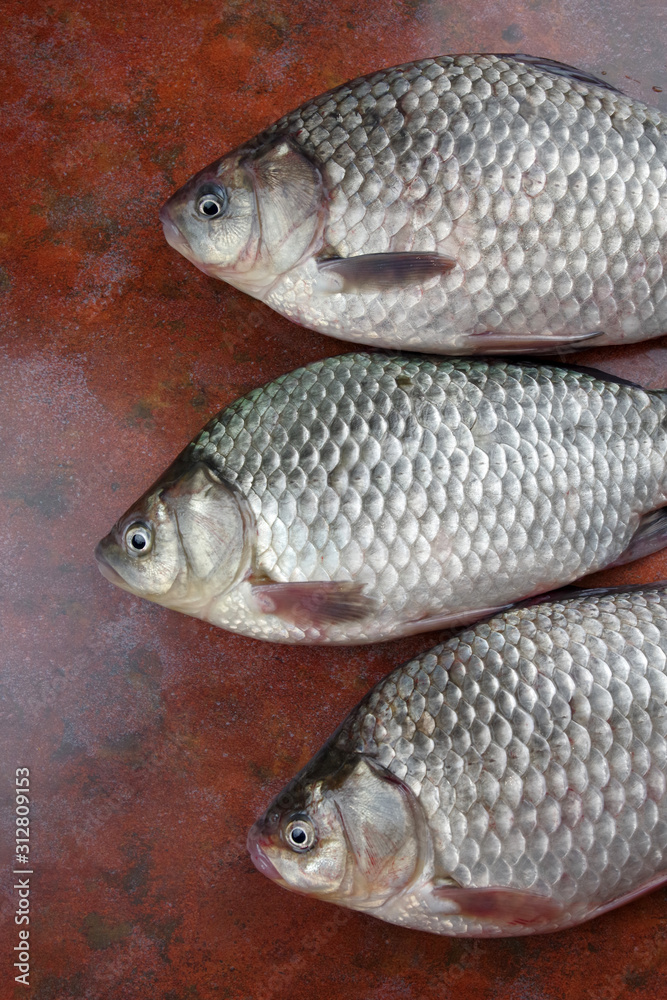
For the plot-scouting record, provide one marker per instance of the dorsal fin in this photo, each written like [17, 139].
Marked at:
[559, 69]
[606, 376]
[531, 362]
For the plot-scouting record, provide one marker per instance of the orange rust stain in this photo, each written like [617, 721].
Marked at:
[154, 740]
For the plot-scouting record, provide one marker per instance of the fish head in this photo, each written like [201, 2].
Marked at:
[212, 220]
[249, 217]
[345, 830]
[185, 543]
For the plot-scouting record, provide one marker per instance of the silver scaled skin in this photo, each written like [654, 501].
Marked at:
[461, 204]
[365, 497]
[511, 781]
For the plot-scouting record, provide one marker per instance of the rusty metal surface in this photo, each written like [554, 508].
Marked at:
[154, 740]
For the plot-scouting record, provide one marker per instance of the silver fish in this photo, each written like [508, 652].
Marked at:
[365, 497]
[510, 781]
[462, 204]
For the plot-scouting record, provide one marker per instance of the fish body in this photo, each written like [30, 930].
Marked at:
[367, 496]
[461, 204]
[510, 781]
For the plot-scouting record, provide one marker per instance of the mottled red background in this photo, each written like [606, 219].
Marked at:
[154, 740]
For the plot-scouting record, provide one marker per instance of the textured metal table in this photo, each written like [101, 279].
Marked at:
[154, 740]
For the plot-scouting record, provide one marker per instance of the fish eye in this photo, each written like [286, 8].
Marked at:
[212, 203]
[300, 834]
[138, 538]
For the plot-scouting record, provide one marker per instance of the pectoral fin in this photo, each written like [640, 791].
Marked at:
[512, 909]
[314, 604]
[379, 271]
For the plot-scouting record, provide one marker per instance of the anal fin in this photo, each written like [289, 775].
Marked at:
[649, 885]
[451, 619]
[534, 343]
[650, 537]
[314, 604]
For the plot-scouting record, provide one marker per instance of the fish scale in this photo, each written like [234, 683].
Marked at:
[548, 193]
[434, 483]
[520, 787]
[533, 748]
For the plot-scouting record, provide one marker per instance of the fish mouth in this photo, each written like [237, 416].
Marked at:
[258, 857]
[172, 233]
[106, 569]
[177, 241]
